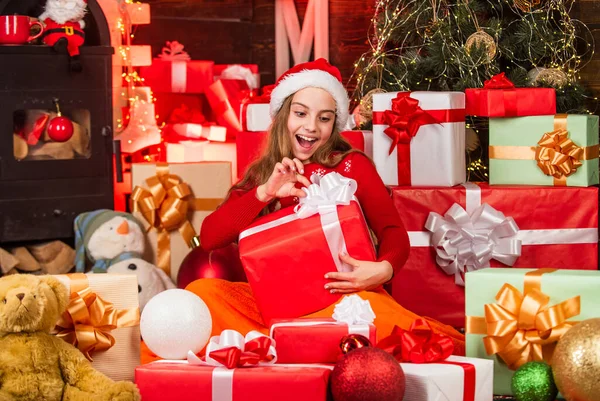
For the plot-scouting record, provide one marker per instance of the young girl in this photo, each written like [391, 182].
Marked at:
[309, 107]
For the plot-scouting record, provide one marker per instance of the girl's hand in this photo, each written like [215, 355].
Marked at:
[364, 276]
[282, 182]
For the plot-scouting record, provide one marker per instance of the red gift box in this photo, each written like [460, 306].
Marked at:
[228, 71]
[167, 106]
[500, 98]
[166, 381]
[558, 227]
[249, 147]
[314, 340]
[178, 76]
[361, 140]
[286, 257]
[225, 98]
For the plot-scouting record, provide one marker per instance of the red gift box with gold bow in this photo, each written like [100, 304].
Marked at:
[465, 228]
[500, 98]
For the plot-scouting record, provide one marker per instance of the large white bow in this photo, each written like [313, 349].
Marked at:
[353, 310]
[242, 73]
[466, 242]
[325, 194]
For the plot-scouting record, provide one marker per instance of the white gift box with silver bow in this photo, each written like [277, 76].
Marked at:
[550, 226]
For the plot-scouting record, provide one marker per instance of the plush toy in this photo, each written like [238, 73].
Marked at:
[35, 365]
[114, 242]
[63, 20]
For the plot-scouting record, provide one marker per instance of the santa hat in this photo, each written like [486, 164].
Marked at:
[314, 74]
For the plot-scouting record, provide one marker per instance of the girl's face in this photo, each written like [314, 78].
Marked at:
[311, 121]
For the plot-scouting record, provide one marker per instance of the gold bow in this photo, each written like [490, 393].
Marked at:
[164, 206]
[557, 155]
[88, 321]
[522, 327]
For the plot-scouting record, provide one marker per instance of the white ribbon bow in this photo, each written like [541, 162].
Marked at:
[323, 197]
[466, 243]
[242, 73]
[228, 339]
[353, 310]
[173, 51]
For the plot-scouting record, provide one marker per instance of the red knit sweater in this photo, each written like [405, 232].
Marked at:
[224, 225]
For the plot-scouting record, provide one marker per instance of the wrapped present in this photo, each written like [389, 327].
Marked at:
[225, 99]
[361, 140]
[454, 379]
[544, 150]
[107, 329]
[249, 146]
[191, 151]
[167, 103]
[517, 315]
[532, 227]
[243, 72]
[317, 340]
[174, 71]
[172, 200]
[500, 98]
[308, 238]
[254, 113]
[186, 151]
[220, 375]
[419, 138]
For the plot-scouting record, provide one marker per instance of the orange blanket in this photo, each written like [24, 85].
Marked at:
[232, 306]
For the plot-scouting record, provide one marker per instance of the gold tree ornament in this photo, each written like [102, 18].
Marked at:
[365, 108]
[553, 76]
[526, 5]
[482, 38]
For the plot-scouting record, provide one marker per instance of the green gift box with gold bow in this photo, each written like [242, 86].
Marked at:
[518, 315]
[544, 150]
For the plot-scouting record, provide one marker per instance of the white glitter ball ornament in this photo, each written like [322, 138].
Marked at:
[174, 322]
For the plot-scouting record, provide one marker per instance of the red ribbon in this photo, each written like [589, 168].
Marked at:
[404, 120]
[419, 344]
[184, 114]
[498, 81]
[255, 351]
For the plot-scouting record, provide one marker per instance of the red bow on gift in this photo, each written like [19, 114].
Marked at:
[419, 344]
[404, 119]
[184, 114]
[264, 98]
[255, 351]
[498, 81]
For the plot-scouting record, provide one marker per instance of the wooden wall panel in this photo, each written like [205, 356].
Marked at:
[588, 11]
[202, 9]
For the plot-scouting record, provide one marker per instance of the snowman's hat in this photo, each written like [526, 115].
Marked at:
[85, 225]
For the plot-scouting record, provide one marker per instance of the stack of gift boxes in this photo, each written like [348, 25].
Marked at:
[535, 223]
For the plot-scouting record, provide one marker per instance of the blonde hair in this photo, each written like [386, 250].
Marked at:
[279, 145]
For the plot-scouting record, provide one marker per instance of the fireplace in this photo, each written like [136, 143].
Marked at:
[41, 193]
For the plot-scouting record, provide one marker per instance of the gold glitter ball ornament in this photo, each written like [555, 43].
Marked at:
[576, 362]
[480, 38]
[365, 108]
[552, 76]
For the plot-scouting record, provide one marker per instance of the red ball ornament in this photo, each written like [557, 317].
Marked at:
[223, 263]
[354, 341]
[368, 374]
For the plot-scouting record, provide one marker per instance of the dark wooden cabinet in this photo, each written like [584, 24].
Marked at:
[39, 199]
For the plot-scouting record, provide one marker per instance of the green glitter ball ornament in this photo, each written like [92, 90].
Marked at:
[534, 382]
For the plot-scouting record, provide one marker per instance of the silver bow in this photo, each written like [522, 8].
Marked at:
[325, 194]
[466, 242]
[242, 73]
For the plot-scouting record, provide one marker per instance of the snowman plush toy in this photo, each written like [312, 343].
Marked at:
[113, 242]
[63, 21]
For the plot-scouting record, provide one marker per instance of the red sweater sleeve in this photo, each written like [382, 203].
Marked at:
[380, 213]
[223, 226]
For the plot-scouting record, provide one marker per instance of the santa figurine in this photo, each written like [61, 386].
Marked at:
[63, 20]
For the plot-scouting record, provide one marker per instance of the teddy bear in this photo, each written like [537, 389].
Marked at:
[34, 364]
[114, 242]
[63, 21]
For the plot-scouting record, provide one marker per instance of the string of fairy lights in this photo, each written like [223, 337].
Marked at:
[401, 29]
[130, 75]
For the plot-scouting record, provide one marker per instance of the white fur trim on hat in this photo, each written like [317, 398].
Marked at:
[312, 79]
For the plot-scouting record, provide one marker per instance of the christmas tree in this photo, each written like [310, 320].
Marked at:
[450, 45]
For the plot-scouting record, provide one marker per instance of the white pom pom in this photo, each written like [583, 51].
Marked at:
[175, 322]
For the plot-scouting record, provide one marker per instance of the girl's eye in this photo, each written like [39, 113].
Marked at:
[300, 113]
[325, 119]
